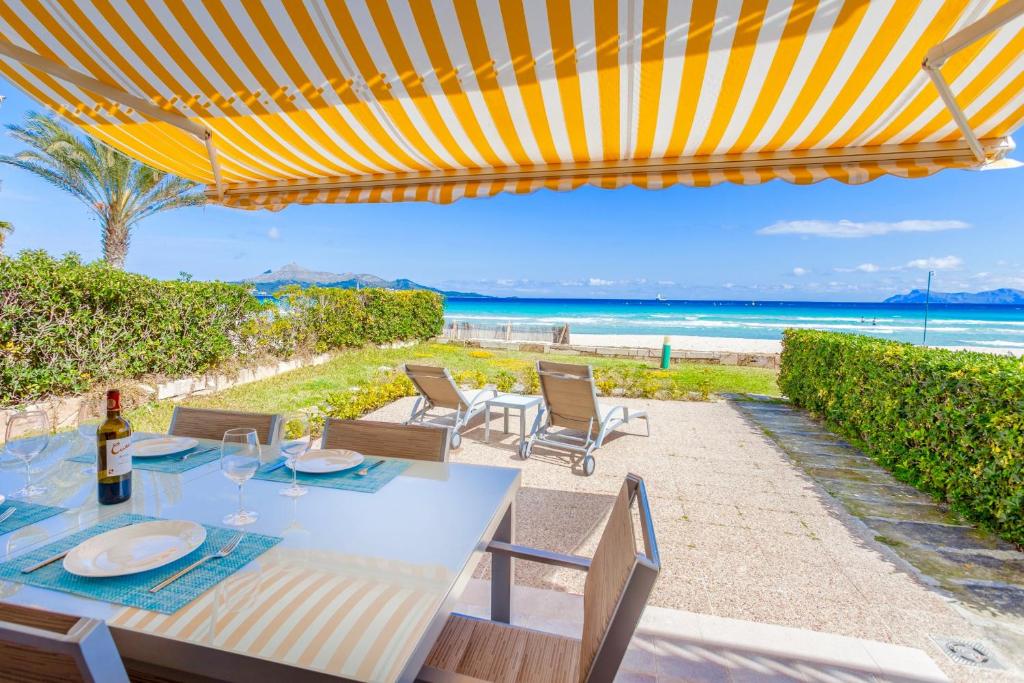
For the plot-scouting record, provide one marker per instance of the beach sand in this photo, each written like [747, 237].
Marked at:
[729, 344]
[679, 342]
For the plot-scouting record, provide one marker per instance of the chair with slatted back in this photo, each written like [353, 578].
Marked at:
[204, 423]
[36, 645]
[571, 405]
[387, 439]
[619, 582]
[437, 389]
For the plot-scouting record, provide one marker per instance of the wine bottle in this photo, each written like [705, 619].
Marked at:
[113, 455]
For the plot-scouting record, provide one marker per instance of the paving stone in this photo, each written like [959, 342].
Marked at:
[891, 509]
[1006, 599]
[937, 535]
[860, 476]
[849, 462]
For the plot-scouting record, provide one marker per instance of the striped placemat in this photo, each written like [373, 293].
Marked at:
[348, 480]
[133, 590]
[25, 513]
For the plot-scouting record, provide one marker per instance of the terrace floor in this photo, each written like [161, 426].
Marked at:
[749, 543]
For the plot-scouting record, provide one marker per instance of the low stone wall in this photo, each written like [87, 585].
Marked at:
[757, 360]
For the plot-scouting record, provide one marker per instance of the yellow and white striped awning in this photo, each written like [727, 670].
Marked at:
[272, 102]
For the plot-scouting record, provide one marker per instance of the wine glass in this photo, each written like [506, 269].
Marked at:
[294, 445]
[89, 422]
[239, 460]
[27, 436]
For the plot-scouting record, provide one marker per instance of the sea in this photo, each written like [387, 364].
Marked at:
[981, 326]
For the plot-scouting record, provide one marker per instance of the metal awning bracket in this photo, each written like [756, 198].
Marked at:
[963, 38]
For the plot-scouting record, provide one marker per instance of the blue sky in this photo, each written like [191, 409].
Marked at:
[774, 241]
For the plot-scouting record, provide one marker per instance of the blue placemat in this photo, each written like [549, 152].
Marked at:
[347, 480]
[25, 513]
[171, 464]
[133, 590]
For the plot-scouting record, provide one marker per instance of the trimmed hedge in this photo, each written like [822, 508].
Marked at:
[948, 422]
[66, 326]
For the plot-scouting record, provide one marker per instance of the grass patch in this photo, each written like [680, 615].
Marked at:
[310, 387]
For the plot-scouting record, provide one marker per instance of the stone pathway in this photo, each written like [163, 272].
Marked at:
[982, 573]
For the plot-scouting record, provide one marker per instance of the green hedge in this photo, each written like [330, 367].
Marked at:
[948, 422]
[66, 326]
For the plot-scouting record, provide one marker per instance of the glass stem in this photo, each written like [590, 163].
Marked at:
[295, 474]
[240, 505]
[28, 476]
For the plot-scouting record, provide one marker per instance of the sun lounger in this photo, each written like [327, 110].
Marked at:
[570, 402]
[437, 389]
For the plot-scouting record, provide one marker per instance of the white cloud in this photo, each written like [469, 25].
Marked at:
[598, 282]
[800, 272]
[666, 283]
[845, 229]
[571, 283]
[936, 263]
[862, 268]
[274, 233]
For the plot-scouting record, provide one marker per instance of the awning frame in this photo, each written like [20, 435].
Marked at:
[118, 96]
[960, 40]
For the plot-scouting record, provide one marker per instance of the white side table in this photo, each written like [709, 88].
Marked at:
[511, 402]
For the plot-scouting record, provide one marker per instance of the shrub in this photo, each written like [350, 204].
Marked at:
[66, 326]
[351, 405]
[949, 422]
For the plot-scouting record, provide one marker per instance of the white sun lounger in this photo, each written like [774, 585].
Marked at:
[570, 399]
[437, 389]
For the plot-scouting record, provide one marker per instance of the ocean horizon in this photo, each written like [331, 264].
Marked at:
[979, 325]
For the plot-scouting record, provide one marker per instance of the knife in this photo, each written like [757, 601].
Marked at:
[276, 466]
[50, 560]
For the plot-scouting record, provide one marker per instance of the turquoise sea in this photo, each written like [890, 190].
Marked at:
[984, 326]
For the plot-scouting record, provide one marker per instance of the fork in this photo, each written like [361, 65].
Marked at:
[366, 470]
[220, 554]
[201, 451]
[7, 513]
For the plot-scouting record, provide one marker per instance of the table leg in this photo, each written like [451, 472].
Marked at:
[522, 426]
[487, 422]
[506, 420]
[501, 570]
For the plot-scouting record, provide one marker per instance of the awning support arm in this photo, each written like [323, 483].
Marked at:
[114, 94]
[938, 55]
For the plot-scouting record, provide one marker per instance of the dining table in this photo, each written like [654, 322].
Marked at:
[358, 588]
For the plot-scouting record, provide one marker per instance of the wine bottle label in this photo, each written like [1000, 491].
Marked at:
[119, 457]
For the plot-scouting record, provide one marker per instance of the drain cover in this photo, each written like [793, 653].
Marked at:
[968, 652]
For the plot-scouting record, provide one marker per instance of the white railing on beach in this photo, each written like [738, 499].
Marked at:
[465, 330]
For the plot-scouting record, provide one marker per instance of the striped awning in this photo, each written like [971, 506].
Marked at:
[273, 102]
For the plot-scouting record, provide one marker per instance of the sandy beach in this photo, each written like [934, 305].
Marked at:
[680, 342]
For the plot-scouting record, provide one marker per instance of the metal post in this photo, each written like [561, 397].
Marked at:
[927, 298]
[501, 570]
[666, 352]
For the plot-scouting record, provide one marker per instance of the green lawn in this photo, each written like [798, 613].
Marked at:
[308, 387]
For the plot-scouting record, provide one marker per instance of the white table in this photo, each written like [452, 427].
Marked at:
[513, 402]
[359, 588]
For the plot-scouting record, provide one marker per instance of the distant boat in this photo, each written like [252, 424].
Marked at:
[660, 298]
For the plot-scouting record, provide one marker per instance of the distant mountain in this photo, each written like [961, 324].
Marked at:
[270, 281]
[994, 296]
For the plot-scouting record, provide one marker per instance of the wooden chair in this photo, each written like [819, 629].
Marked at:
[619, 582]
[36, 645]
[204, 423]
[570, 403]
[437, 389]
[415, 442]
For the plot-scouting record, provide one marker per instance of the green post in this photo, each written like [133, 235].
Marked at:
[666, 353]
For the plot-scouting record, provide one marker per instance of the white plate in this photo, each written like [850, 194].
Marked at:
[135, 548]
[329, 460]
[162, 445]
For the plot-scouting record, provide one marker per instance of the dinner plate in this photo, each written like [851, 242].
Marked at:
[134, 548]
[327, 460]
[162, 445]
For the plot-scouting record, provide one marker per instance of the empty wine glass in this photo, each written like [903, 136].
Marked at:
[89, 422]
[27, 436]
[239, 460]
[294, 445]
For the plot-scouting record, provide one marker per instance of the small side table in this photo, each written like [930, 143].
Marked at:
[511, 402]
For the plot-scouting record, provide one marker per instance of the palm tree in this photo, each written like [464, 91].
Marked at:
[117, 189]
[5, 229]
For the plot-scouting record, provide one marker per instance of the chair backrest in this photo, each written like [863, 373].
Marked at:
[36, 645]
[435, 385]
[388, 439]
[618, 585]
[570, 395]
[204, 423]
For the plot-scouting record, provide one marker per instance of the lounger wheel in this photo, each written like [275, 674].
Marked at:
[456, 440]
[589, 464]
